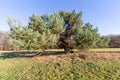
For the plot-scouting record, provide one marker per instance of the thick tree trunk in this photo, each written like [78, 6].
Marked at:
[66, 50]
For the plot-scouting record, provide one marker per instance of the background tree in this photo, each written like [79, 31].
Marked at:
[114, 41]
[1, 40]
[4, 44]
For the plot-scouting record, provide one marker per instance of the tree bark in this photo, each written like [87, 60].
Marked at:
[66, 49]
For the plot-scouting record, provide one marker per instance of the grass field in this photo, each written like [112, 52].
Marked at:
[106, 50]
[13, 66]
[92, 50]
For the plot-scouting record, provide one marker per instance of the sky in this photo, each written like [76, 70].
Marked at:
[104, 14]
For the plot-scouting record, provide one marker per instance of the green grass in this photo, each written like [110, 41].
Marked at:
[62, 50]
[97, 50]
[10, 68]
[85, 70]
[13, 67]
[106, 50]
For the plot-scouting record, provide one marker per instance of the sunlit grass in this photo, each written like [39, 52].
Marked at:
[106, 50]
[14, 69]
[61, 50]
[10, 68]
[20, 68]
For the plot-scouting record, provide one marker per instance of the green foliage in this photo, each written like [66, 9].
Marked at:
[42, 32]
[61, 29]
[36, 23]
[56, 23]
[87, 37]
[103, 42]
[32, 37]
[48, 40]
[73, 22]
[15, 27]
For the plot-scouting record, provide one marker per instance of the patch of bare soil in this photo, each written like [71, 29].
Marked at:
[76, 57]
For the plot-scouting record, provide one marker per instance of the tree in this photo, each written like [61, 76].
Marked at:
[103, 42]
[49, 27]
[37, 35]
[4, 45]
[78, 35]
[73, 22]
[87, 37]
[61, 29]
[114, 41]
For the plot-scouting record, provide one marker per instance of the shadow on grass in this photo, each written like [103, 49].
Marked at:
[6, 55]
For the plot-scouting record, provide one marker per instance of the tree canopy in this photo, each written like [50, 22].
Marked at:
[61, 29]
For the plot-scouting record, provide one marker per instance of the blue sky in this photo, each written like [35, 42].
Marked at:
[104, 14]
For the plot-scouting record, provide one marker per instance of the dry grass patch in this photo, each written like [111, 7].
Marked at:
[77, 57]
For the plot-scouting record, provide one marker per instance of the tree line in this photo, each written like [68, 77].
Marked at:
[62, 29]
[114, 41]
[4, 42]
